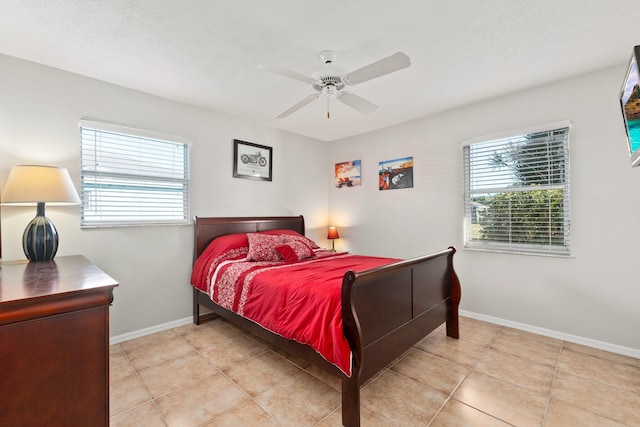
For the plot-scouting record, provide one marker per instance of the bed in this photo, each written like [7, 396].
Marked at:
[384, 310]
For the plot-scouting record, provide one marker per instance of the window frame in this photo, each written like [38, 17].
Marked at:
[548, 249]
[154, 183]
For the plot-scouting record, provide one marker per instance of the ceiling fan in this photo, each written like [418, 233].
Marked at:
[331, 82]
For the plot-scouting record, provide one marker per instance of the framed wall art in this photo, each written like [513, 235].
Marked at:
[252, 161]
[397, 173]
[348, 174]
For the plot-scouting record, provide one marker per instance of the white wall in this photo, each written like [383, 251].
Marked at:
[40, 108]
[595, 294]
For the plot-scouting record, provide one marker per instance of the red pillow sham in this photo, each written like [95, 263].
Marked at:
[295, 251]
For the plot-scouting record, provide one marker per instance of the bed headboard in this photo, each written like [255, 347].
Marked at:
[208, 228]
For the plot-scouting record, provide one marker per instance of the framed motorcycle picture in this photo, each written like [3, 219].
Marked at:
[252, 161]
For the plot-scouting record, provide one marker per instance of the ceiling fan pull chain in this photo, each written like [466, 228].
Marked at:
[328, 113]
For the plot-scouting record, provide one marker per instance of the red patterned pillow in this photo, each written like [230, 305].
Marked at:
[262, 247]
[295, 251]
[293, 236]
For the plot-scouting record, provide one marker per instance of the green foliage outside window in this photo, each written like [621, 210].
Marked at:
[534, 217]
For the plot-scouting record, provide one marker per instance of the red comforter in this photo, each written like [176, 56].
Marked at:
[299, 300]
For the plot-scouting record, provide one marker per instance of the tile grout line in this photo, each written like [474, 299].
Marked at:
[151, 398]
[154, 399]
[553, 381]
[267, 350]
[473, 368]
[221, 372]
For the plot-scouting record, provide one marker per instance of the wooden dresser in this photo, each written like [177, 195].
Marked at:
[54, 343]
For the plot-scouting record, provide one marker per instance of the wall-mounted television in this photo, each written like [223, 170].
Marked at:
[630, 103]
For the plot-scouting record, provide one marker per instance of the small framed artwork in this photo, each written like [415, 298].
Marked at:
[252, 161]
[348, 174]
[397, 173]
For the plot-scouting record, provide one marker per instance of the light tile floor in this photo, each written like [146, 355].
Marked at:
[216, 375]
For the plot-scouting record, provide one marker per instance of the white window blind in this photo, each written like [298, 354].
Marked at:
[132, 177]
[517, 193]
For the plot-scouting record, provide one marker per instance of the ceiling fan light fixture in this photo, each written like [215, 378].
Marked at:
[331, 81]
[331, 91]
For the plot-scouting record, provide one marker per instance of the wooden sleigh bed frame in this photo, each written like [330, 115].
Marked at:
[386, 310]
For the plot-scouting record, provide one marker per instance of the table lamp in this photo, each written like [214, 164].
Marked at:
[28, 185]
[333, 235]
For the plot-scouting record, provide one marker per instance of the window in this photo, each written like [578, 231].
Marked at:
[517, 192]
[132, 177]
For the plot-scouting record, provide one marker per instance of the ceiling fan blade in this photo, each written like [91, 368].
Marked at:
[387, 65]
[287, 73]
[357, 103]
[309, 99]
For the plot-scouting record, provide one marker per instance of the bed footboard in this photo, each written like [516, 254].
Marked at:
[389, 309]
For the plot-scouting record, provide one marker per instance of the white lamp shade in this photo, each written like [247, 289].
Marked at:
[28, 185]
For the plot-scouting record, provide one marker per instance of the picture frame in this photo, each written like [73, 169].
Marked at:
[348, 174]
[252, 161]
[396, 173]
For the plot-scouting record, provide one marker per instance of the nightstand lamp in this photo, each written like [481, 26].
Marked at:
[29, 185]
[333, 235]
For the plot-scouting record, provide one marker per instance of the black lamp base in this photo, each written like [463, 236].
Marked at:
[40, 238]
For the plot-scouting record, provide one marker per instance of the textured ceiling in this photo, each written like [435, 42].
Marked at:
[206, 52]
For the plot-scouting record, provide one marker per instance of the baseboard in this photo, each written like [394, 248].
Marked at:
[148, 331]
[601, 345]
